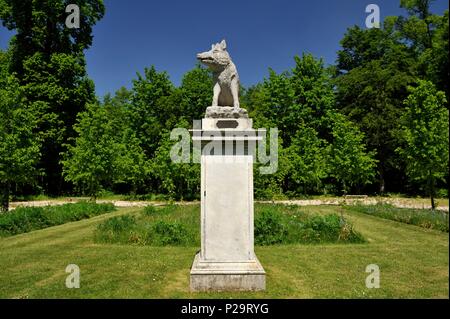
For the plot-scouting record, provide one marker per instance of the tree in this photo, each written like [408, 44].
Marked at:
[41, 28]
[307, 160]
[301, 95]
[196, 93]
[178, 180]
[131, 164]
[427, 35]
[349, 161]
[48, 59]
[425, 132]
[106, 151]
[148, 110]
[374, 69]
[58, 89]
[132, 168]
[90, 163]
[19, 148]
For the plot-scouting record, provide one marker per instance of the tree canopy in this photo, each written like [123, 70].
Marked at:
[374, 122]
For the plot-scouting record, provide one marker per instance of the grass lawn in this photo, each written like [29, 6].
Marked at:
[413, 262]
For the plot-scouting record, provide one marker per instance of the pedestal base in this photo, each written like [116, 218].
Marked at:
[225, 112]
[227, 276]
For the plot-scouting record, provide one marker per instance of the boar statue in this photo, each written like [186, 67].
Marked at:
[225, 101]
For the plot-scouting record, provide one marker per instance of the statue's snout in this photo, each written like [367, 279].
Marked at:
[203, 55]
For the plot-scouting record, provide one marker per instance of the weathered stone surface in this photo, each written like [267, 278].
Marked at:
[225, 112]
[227, 208]
[226, 78]
[227, 259]
[227, 276]
[227, 123]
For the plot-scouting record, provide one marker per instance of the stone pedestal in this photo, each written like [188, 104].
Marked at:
[227, 260]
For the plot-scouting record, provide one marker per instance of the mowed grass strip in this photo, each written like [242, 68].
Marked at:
[413, 262]
[177, 225]
[26, 219]
[426, 218]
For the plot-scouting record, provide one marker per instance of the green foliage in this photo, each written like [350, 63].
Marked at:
[196, 93]
[91, 162]
[41, 26]
[350, 163]
[328, 228]
[19, 148]
[178, 180]
[375, 67]
[306, 158]
[431, 219]
[169, 233]
[115, 229]
[149, 110]
[155, 226]
[427, 34]
[48, 60]
[287, 225]
[297, 103]
[271, 186]
[371, 95]
[105, 152]
[26, 219]
[425, 132]
[269, 228]
[301, 95]
[149, 210]
[118, 224]
[414, 263]
[123, 144]
[180, 226]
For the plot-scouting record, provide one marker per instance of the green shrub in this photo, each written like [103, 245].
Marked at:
[116, 229]
[180, 225]
[168, 209]
[170, 233]
[149, 210]
[157, 226]
[269, 228]
[425, 218]
[328, 229]
[25, 219]
[118, 224]
[287, 225]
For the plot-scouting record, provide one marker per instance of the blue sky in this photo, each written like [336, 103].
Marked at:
[260, 34]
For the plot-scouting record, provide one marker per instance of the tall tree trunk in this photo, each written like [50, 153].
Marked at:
[344, 186]
[382, 185]
[4, 196]
[431, 188]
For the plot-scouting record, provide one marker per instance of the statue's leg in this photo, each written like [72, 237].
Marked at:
[235, 92]
[216, 95]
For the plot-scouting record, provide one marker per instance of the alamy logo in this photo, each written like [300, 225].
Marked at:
[73, 19]
[265, 151]
[373, 279]
[373, 19]
[73, 280]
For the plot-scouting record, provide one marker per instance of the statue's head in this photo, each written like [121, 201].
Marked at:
[217, 58]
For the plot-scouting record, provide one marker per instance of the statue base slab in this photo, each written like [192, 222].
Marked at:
[227, 276]
[225, 112]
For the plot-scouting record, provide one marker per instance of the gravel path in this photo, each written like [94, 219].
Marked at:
[397, 202]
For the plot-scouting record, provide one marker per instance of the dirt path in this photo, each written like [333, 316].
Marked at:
[397, 202]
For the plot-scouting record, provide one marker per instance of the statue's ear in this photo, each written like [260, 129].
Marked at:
[223, 45]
